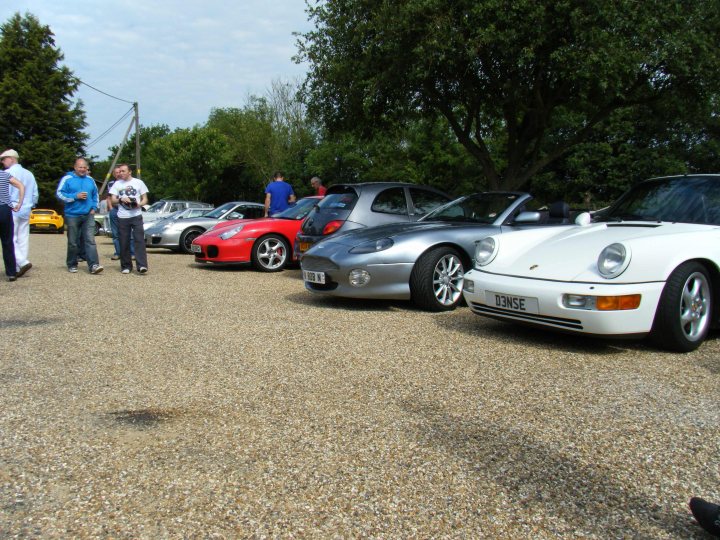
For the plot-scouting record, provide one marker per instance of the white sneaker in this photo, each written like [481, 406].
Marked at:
[125, 271]
[142, 270]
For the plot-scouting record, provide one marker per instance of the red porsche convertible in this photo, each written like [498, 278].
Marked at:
[266, 243]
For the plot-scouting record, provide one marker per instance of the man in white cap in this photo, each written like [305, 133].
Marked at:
[11, 162]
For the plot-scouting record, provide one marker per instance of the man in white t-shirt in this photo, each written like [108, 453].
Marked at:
[130, 194]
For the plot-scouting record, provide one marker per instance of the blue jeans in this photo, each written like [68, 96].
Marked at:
[115, 230]
[81, 228]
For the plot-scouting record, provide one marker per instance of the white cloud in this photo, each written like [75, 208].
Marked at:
[176, 58]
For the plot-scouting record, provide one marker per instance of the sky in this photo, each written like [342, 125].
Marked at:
[177, 59]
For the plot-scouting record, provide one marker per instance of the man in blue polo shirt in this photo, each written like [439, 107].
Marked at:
[279, 195]
[78, 191]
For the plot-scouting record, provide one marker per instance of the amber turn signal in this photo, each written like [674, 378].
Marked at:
[616, 303]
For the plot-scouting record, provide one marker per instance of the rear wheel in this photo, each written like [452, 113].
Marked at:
[270, 253]
[97, 228]
[186, 239]
[684, 312]
[437, 279]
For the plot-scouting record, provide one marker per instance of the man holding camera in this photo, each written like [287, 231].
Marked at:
[130, 194]
[78, 191]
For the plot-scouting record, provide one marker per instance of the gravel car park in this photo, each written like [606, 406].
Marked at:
[255, 409]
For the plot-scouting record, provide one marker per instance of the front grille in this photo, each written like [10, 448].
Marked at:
[156, 240]
[212, 252]
[318, 264]
[558, 322]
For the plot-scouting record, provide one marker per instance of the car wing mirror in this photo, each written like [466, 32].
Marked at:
[528, 217]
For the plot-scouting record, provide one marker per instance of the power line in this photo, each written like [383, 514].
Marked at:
[105, 93]
[108, 130]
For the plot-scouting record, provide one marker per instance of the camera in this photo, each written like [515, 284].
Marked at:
[133, 203]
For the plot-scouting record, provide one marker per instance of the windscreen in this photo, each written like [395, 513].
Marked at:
[683, 200]
[479, 208]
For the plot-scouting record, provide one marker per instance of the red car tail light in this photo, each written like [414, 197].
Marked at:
[332, 226]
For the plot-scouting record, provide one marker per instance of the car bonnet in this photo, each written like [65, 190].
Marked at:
[571, 253]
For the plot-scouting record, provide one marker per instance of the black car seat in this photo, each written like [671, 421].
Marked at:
[559, 212]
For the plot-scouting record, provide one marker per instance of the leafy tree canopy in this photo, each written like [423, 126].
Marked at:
[520, 82]
[38, 117]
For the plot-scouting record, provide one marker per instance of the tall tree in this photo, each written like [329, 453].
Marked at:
[38, 117]
[521, 82]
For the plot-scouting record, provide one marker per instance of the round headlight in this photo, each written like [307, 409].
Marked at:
[613, 260]
[485, 251]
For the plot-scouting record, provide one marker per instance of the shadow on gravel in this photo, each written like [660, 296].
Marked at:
[471, 324]
[348, 304]
[538, 478]
[19, 323]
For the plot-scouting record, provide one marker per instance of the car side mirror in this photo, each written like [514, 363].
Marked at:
[527, 217]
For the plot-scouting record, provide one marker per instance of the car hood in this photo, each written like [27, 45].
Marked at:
[391, 230]
[221, 228]
[571, 253]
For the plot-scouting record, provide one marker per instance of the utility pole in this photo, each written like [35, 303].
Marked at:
[138, 168]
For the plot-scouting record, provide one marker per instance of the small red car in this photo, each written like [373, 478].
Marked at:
[266, 243]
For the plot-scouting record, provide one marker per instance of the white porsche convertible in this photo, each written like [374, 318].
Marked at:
[647, 265]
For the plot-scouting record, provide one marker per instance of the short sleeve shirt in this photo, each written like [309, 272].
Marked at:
[133, 188]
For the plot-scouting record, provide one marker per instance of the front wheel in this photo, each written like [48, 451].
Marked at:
[684, 312]
[437, 279]
[270, 253]
[186, 239]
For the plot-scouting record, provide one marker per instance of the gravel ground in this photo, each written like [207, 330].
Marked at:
[201, 402]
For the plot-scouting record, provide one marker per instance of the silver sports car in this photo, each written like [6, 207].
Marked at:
[424, 261]
[178, 234]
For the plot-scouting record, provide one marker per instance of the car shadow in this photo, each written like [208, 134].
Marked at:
[540, 477]
[306, 298]
[467, 322]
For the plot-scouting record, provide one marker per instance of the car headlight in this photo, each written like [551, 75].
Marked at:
[374, 246]
[613, 260]
[232, 232]
[485, 251]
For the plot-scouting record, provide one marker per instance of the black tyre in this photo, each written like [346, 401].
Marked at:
[61, 230]
[270, 253]
[97, 228]
[187, 237]
[437, 279]
[684, 312]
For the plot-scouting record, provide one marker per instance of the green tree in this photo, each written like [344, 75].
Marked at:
[520, 82]
[37, 115]
[186, 164]
[269, 133]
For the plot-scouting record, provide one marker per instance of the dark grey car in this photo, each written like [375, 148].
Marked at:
[423, 261]
[354, 206]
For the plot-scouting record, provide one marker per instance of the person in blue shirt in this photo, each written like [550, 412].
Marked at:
[21, 220]
[78, 191]
[279, 195]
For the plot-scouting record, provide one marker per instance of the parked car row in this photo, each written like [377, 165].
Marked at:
[648, 265]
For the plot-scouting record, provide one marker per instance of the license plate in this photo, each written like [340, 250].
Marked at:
[195, 248]
[42, 225]
[314, 277]
[304, 246]
[511, 302]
